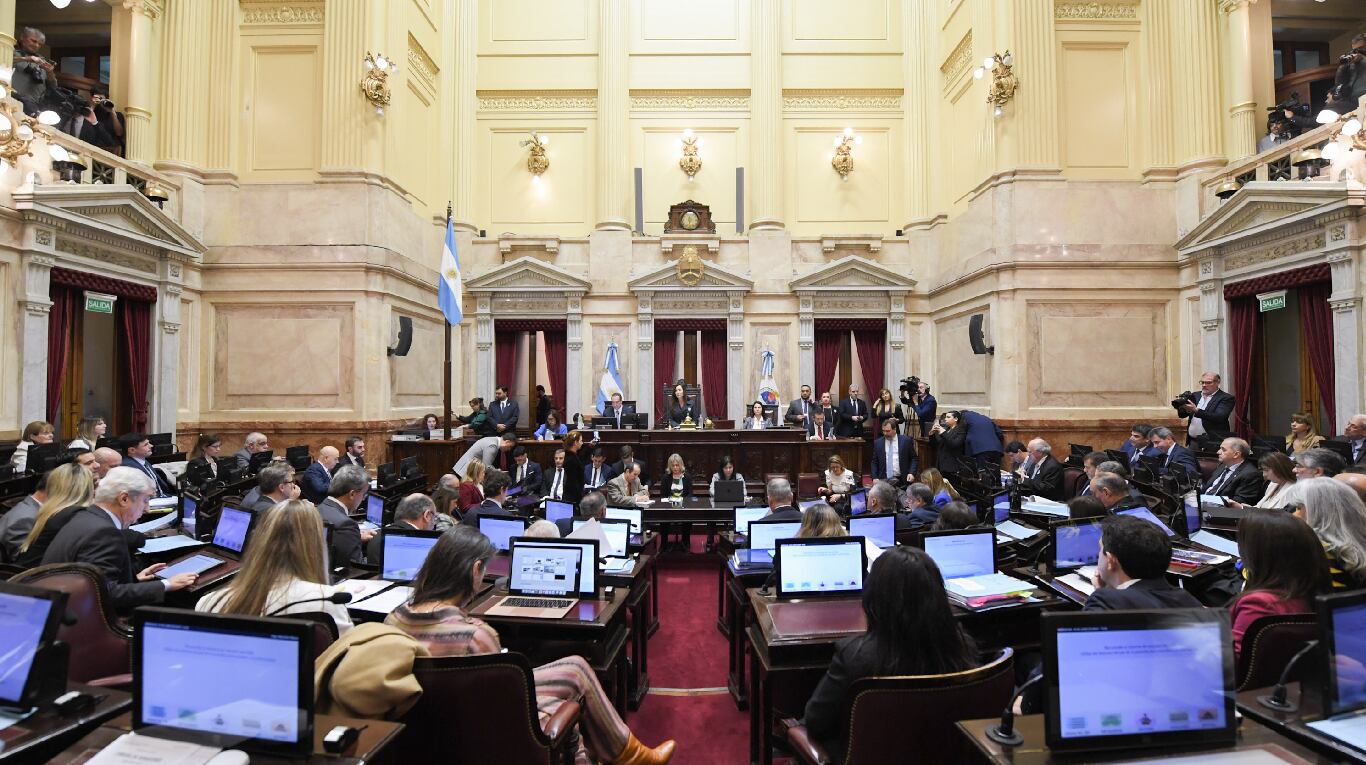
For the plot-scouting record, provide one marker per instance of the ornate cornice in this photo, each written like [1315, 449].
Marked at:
[282, 13]
[690, 100]
[1229, 6]
[1292, 247]
[821, 99]
[537, 100]
[86, 250]
[1344, 305]
[149, 8]
[421, 65]
[1113, 10]
[958, 61]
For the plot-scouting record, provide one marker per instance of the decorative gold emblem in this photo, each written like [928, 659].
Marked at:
[687, 423]
[690, 163]
[690, 266]
[537, 162]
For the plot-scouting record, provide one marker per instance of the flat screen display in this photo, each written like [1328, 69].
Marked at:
[402, 555]
[500, 531]
[1147, 515]
[879, 529]
[765, 535]
[745, 515]
[858, 502]
[1191, 504]
[556, 509]
[189, 513]
[231, 533]
[1076, 544]
[617, 533]
[548, 570]
[374, 509]
[195, 564]
[820, 566]
[633, 514]
[1348, 663]
[960, 555]
[1000, 507]
[588, 571]
[22, 621]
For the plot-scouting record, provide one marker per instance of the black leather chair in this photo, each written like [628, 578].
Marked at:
[1073, 481]
[482, 709]
[1268, 645]
[324, 629]
[100, 642]
[886, 718]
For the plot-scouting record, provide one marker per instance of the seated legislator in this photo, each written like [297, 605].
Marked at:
[820, 521]
[1303, 435]
[276, 484]
[839, 481]
[725, 471]
[1089, 463]
[36, 432]
[615, 409]
[495, 488]
[203, 458]
[285, 564]
[676, 485]
[1284, 566]
[1318, 463]
[821, 429]
[316, 480]
[1139, 443]
[415, 512]
[883, 500]
[1132, 570]
[679, 408]
[1237, 478]
[447, 501]
[1113, 492]
[88, 433]
[525, 472]
[105, 459]
[504, 412]
[478, 419]
[625, 489]
[799, 410]
[597, 472]
[943, 491]
[1043, 476]
[922, 510]
[894, 456]
[256, 442]
[1176, 459]
[779, 495]
[552, 429]
[949, 437]
[349, 487]
[94, 535]
[955, 516]
[471, 489]
[1338, 517]
[354, 454]
[592, 506]
[627, 453]
[436, 617]
[911, 631]
[136, 449]
[16, 524]
[756, 419]
[1086, 507]
[852, 415]
[66, 490]
[542, 529]
[1354, 432]
[1278, 472]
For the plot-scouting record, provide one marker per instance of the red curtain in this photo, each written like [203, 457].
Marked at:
[1316, 319]
[136, 322]
[505, 357]
[556, 347]
[872, 356]
[666, 345]
[714, 374]
[60, 325]
[1245, 326]
[827, 358]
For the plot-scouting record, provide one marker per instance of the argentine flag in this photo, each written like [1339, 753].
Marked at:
[611, 378]
[448, 288]
[768, 388]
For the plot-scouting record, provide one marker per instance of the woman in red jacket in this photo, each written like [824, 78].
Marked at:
[1284, 566]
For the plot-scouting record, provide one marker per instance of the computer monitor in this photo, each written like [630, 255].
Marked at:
[807, 504]
[1136, 679]
[550, 569]
[407, 467]
[588, 570]
[727, 492]
[557, 509]
[1000, 507]
[384, 474]
[231, 682]
[259, 460]
[29, 618]
[374, 509]
[403, 551]
[878, 529]
[1343, 619]
[1191, 505]
[745, 515]
[969, 552]
[633, 514]
[764, 535]
[189, 512]
[1147, 515]
[43, 457]
[1075, 543]
[818, 567]
[858, 502]
[297, 457]
[234, 524]
[618, 533]
[1079, 451]
[500, 529]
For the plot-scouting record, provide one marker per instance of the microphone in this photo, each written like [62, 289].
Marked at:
[1277, 700]
[340, 598]
[1004, 732]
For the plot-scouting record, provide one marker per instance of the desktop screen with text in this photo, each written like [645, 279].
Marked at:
[879, 529]
[545, 570]
[231, 533]
[404, 555]
[817, 568]
[500, 531]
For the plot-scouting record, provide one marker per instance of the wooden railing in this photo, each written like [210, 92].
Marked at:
[111, 169]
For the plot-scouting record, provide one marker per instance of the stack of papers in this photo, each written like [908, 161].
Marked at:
[1195, 559]
[164, 544]
[1044, 507]
[385, 602]
[1016, 530]
[150, 526]
[1077, 583]
[135, 749]
[985, 585]
[1349, 729]
[1215, 542]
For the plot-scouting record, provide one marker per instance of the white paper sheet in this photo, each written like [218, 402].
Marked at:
[1350, 729]
[1016, 530]
[1045, 507]
[1077, 583]
[985, 585]
[1215, 542]
[162, 544]
[159, 523]
[363, 588]
[384, 602]
[133, 749]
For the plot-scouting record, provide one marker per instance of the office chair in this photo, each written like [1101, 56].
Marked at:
[1268, 645]
[100, 642]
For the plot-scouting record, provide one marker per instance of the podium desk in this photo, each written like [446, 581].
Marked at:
[39, 737]
[1294, 725]
[1253, 737]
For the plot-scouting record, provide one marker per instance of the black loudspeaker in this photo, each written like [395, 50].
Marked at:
[979, 345]
[405, 337]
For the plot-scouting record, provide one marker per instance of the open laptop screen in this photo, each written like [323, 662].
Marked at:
[1344, 628]
[588, 571]
[500, 530]
[1000, 507]
[245, 683]
[231, 533]
[374, 509]
[764, 535]
[1147, 515]
[825, 566]
[1191, 504]
[28, 619]
[402, 553]
[745, 515]
[633, 514]
[556, 509]
[1121, 679]
[879, 529]
[189, 513]
[858, 502]
[617, 533]
[551, 569]
[1076, 544]
[962, 553]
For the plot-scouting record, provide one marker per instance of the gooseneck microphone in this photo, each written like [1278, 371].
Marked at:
[1004, 732]
[1276, 700]
[340, 598]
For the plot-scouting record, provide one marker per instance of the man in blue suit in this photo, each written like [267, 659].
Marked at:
[616, 409]
[504, 412]
[1175, 457]
[894, 456]
[984, 439]
[1138, 444]
[317, 479]
[597, 472]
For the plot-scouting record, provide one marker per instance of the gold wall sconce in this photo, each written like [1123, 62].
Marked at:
[537, 162]
[1003, 80]
[843, 161]
[16, 128]
[690, 163]
[375, 82]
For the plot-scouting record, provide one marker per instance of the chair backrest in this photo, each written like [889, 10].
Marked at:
[808, 484]
[886, 717]
[773, 476]
[1207, 466]
[324, 629]
[1073, 481]
[1268, 645]
[99, 643]
[474, 709]
[692, 390]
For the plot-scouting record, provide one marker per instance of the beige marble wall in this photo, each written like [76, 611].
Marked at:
[1106, 354]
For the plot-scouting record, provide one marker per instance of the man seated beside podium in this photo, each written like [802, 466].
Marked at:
[616, 409]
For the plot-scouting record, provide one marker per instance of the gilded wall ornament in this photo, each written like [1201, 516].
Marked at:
[690, 266]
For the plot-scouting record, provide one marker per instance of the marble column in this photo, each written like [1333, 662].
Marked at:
[1195, 41]
[223, 21]
[1035, 107]
[572, 399]
[1158, 60]
[35, 305]
[806, 340]
[1242, 103]
[185, 87]
[165, 388]
[137, 108]
[645, 355]
[462, 77]
[895, 364]
[1213, 339]
[1344, 259]
[915, 111]
[7, 30]
[614, 117]
[345, 112]
[483, 343]
[765, 116]
[736, 360]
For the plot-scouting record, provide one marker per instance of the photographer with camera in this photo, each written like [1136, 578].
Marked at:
[34, 77]
[1349, 84]
[915, 393]
[93, 124]
[1208, 411]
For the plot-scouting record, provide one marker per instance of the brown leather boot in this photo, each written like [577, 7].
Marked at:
[636, 753]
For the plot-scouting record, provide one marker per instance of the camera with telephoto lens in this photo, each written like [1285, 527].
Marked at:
[1186, 397]
[909, 387]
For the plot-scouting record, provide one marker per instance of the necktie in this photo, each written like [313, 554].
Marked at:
[555, 488]
[891, 459]
[597, 477]
[521, 474]
[1035, 472]
[1219, 482]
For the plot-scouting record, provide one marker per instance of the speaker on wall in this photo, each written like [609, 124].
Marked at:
[979, 345]
[405, 337]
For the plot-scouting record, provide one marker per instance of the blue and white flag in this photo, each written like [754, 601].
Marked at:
[768, 389]
[611, 377]
[449, 293]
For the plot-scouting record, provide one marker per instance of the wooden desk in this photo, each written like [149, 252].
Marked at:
[1252, 736]
[39, 737]
[1293, 725]
[376, 735]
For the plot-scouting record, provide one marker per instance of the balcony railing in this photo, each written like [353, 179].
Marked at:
[110, 169]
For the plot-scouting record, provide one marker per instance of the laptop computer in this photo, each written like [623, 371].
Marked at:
[967, 563]
[374, 513]
[635, 515]
[229, 542]
[543, 580]
[727, 492]
[189, 513]
[763, 540]
[618, 533]
[858, 502]
[1075, 543]
[224, 681]
[807, 504]
[588, 574]
[878, 529]
[1138, 679]
[743, 517]
[1147, 515]
[819, 567]
[403, 551]
[1343, 619]
[556, 509]
[500, 529]
[29, 618]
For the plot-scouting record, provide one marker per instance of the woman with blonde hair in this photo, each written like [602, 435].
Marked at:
[939, 485]
[36, 432]
[286, 563]
[887, 408]
[839, 481]
[821, 521]
[88, 433]
[1303, 435]
[70, 488]
[472, 488]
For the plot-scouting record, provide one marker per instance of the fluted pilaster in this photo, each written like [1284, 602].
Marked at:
[345, 110]
[915, 104]
[614, 117]
[462, 72]
[1157, 39]
[140, 139]
[7, 31]
[1242, 103]
[222, 17]
[184, 83]
[1195, 41]
[1035, 119]
[766, 115]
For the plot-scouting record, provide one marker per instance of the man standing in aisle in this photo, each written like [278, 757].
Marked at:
[853, 412]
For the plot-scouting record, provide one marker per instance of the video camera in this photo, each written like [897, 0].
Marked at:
[909, 387]
[1181, 399]
[1292, 104]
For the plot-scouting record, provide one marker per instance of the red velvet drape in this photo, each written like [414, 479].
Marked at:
[714, 374]
[556, 347]
[666, 345]
[135, 321]
[1316, 319]
[1245, 326]
[827, 358]
[871, 345]
[60, 326]
[504, 358]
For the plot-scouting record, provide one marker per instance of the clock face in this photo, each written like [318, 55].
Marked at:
[689, 220]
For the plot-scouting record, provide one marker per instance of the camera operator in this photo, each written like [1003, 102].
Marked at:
[1209, 412]
[1349, 85]
[112, 121]
[34, 76]
[88, 127]
[921, 402]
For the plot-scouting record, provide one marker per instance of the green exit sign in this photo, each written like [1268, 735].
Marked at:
[1272, 301]
[99, 303]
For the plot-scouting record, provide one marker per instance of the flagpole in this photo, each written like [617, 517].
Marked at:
[446, 351]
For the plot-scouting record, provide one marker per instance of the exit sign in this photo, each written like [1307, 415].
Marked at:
[1271, 301]
[98, 303]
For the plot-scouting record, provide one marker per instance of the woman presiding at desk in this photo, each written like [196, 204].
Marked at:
[679, 408]
[435, 617]
[756, 419]
[552, 429]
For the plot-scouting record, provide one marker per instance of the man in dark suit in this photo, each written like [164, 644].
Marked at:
[275, 484]
[1354, 432]
[627, 454]
[853, 412]
[780, 507]
[1113, 492]
[496, 484]
[921, 512]
[95, 535]
[1175, 457]
[415, 512]
[616, 409]
[504, 412]
[317, 479]
[894, 456]
[597, 472]
[1043, 475]
[255, 443]
[983, 440]
[799, 410]
[525, 473]
[593, 505]
[136, 449]
[1132, 570]
[1089, 464]
[1237, 478]
[562, 483]
[925, 407]
[1209, 414]
[347, 492]
[354, 454]
[821, 429]
[1138, 443]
